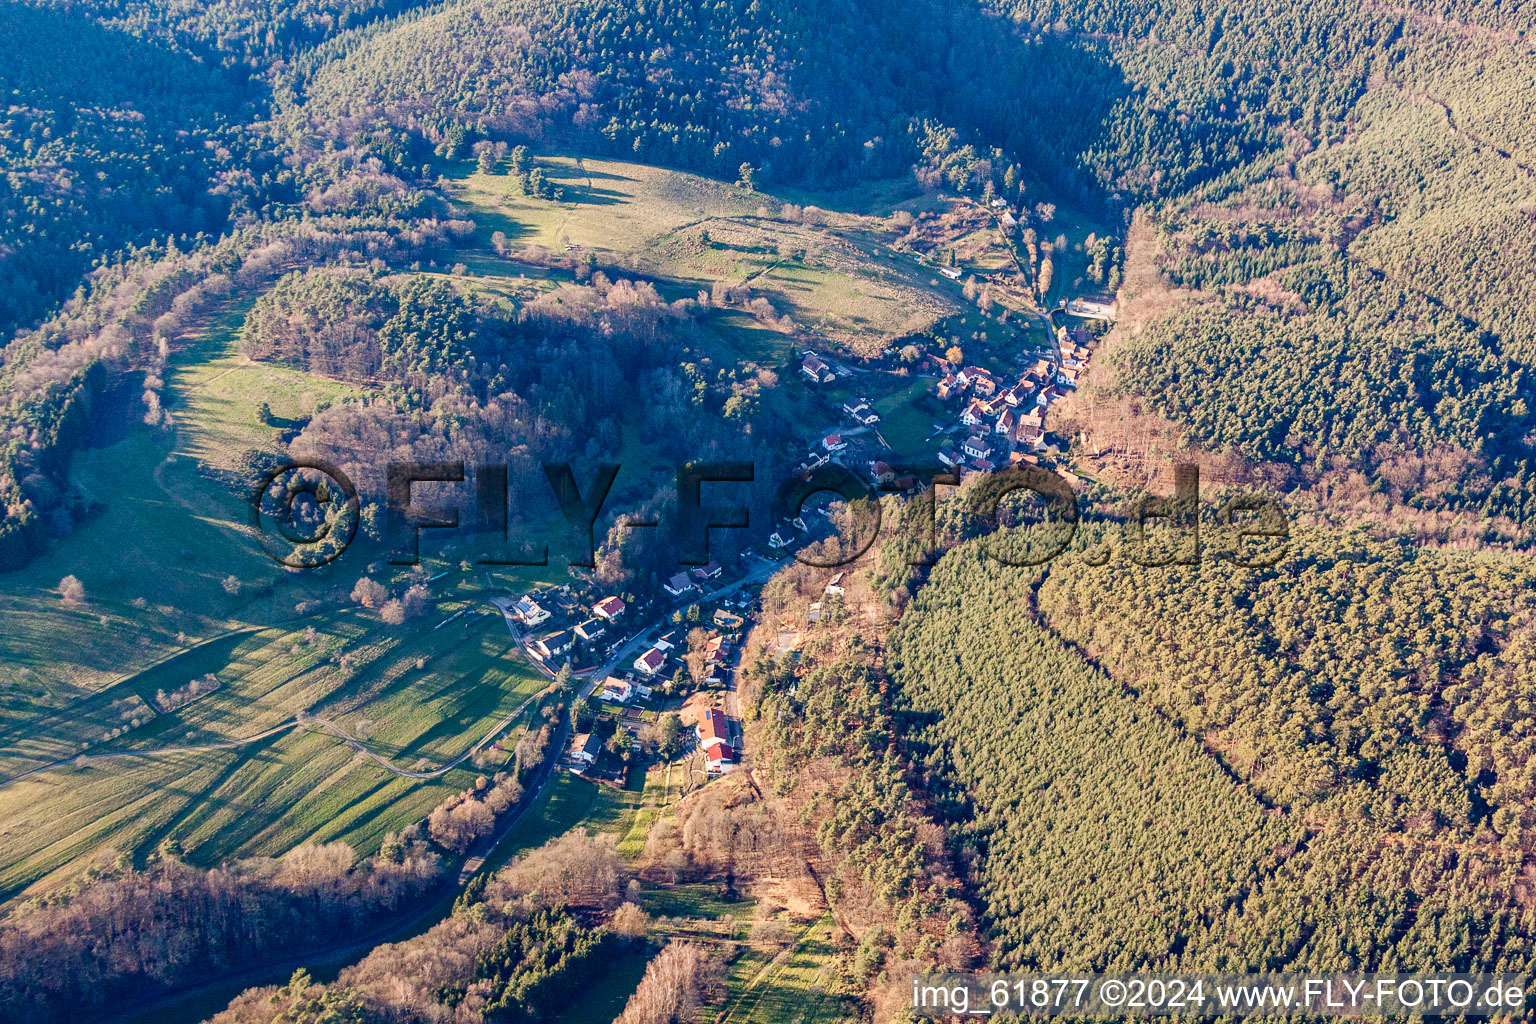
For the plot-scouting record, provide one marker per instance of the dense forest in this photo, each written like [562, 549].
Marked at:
[512, 950]
[1319, 765]
[1332, 195]
[127, 934]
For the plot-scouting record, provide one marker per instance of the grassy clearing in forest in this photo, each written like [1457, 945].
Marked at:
[795, 985]
[833, 270]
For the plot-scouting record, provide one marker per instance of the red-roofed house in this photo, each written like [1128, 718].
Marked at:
[714, 733]
[713, 727]
[609, 608]
[650, 662]
[813, 367]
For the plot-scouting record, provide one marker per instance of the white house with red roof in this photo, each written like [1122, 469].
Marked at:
[815, 368]
[834, 443]
[714, 732]
[651, 662]
[609, 608]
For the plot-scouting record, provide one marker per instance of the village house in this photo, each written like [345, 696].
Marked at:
[977, 447]
[546, 648]
[651, 662]
[1006, 422]
[1030, 433]
[814, 368]
[1067, 376]
[1021, 394]
[882, 472]
[835, 585]
[609, 608]
[618, 691]
[834, 443]
[950, 457]
[715, 650]
[666, 641]
[858, 409]
[591, 630]
[708, 571]
[714, 734]
[529, 612]
[678, 585]
[585, 750]
[975, 414]
[778, 541]
[813, 614]
[949, 387]
[953, 273]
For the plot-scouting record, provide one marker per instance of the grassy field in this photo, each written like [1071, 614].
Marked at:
[603, 997]
[420, 696]
[176, 590]
[795, 986]
[905, 421]
[836, 274]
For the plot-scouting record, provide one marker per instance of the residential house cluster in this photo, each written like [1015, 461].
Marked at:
[578, 623]
[1006, 420]
[686, 582]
